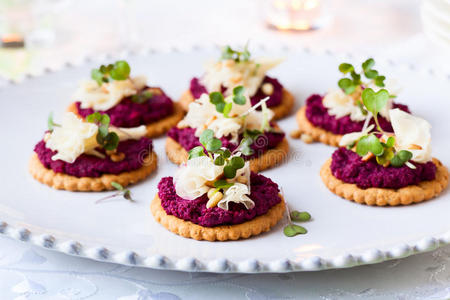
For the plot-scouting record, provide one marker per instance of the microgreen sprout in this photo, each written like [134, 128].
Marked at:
[120, 70]
[291, 229]
[375, 102]
[120, 191]
[50, 123]
[222, 157]
[142, 97]
[107, 140]
[237, 56]
[349, 85]
[224, 107]
[384, 152]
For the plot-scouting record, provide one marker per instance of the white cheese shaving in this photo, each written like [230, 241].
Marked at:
[410, 130]
[109, 94]
[75, 137]
[230, 74]
[237, 193]
[190, 179]
[72, 138]
[339, 104]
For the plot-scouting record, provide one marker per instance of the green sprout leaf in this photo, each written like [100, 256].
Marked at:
[237, 162]
[50, 123]
[371, 74]
[238, 95]
[346, 68]
[297, 216]
[347, 85]
[375, 101]
[107, 140]
[213, 145]
[293, 230]
[196, 152]
[387, 155]
[222, 184]
[121, 191]
[368, 64]
[369, 143]
[219, 161]
[227, 109]
[401, 158]
[206, 136]
[379, 80]
[121, 70]
[229, 171]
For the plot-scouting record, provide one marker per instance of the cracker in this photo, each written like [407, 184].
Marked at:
[280, 111]
[62, 181]
[245, 230]
[316, 133]
[178, 155]
[425, 190]
[157, 128]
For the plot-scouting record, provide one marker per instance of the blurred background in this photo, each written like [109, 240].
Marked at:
[46, 33]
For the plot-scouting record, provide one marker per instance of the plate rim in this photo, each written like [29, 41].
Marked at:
[220, 265]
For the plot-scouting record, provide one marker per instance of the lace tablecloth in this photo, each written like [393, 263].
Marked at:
[27, 272]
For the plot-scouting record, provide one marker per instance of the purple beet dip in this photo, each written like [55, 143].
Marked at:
[130, 114]
[197, 89]
[264, 192]
[347, 166]
[187, 139]
[318, 115]
[91, 166]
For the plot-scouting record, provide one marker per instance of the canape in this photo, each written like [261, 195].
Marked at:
[214, 196]
[129, 101]
[382, 168]
[91, 156]
[237, 68]
[327, 118]
[238, 125]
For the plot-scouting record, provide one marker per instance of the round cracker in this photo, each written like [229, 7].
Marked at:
[425, 190]
[317, 134]
[154, 129]
[66, 182]
[272, 157]
[191, 230]
[280, 111]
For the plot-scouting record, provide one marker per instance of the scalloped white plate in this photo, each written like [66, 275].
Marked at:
[341, 234]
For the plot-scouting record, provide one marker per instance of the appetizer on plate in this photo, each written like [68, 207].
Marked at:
[235, 123]
[327, 118]
[237, 68]
[382, 168]
[90, 155]
[129, 101]
[215, 196]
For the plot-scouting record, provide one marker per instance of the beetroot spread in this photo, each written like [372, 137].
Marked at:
[91, 166]
[197, 89]
[347, 166]
[264, 192]
[187, 139]
[130, 114]
[318, 115]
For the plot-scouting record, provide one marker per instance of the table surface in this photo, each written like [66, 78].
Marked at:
[385, 28]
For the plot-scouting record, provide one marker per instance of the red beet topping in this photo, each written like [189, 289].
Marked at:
[347, 166]
[318, 115]
[187, 139]
[91, 166]
[130, 114]
[197, 89]
[264, 192]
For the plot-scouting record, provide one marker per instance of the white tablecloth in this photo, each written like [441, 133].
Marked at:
[389, 29]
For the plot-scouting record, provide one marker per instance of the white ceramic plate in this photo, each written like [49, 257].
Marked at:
[341, 234]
